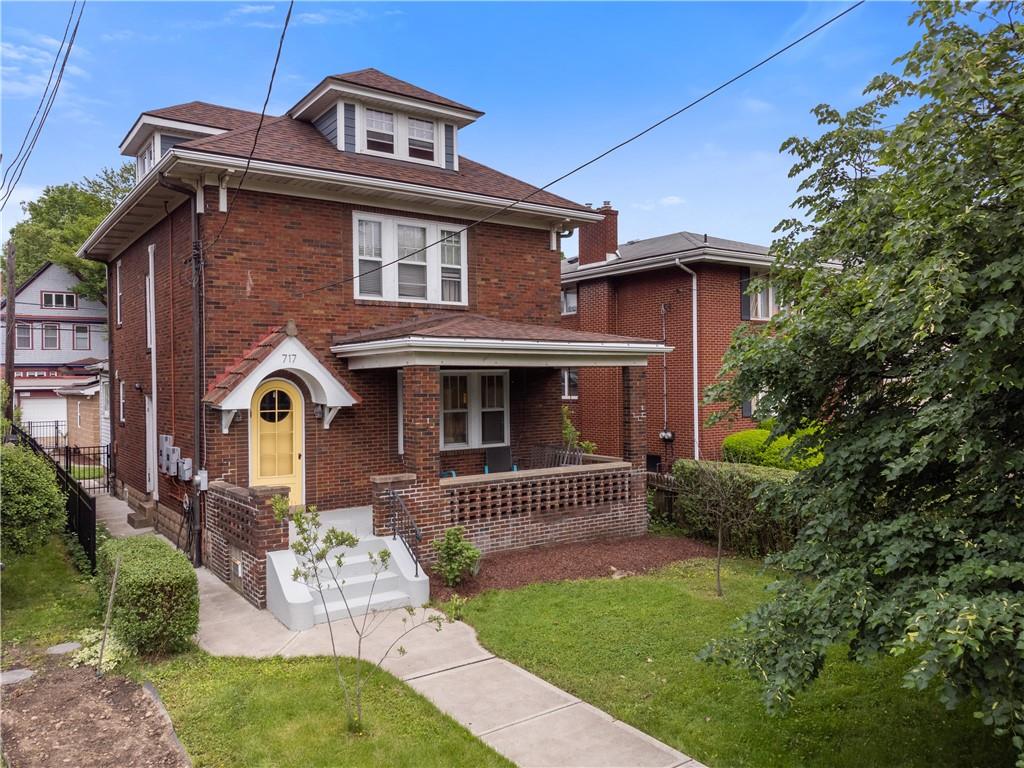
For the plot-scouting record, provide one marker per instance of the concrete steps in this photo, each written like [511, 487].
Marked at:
[299, 605]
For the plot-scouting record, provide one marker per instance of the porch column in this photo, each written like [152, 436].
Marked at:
[421, 407]
[634, 416]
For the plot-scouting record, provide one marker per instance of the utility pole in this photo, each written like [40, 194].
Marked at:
[9, 333]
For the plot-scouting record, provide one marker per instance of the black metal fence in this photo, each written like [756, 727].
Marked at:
[80, 506]
[404, 527]
[90, 465]
[51, 435]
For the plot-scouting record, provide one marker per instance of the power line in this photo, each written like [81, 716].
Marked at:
[42, 97]
[601, 156]
[13, 183]
[259, 126]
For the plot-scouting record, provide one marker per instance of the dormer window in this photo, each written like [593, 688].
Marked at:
[380, 131]
[145, 160]
[421, 139]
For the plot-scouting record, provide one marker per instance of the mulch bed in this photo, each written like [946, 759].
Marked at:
[69, 717]
[610, 557]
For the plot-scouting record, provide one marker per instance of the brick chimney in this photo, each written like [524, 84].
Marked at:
[598, 239]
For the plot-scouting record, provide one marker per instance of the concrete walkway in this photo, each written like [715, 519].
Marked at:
[528, 720]
[113, 513]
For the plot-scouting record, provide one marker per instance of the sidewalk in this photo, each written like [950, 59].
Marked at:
[526, 719]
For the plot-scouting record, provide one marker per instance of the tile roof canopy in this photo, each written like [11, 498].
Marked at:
[470, 326]
[212, 115]
[296, 142]
[377, 80]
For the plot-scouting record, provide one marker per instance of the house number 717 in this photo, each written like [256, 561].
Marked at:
[288, 358]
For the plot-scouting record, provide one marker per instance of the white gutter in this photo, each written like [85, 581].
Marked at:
[441, 343]
[692, 255]
[696, 367]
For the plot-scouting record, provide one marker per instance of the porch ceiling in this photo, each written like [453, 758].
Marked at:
[473, 340]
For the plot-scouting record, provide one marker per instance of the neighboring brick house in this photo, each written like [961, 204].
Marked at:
[58, 334]
[331, 331]
[87, 409]
[646, 288]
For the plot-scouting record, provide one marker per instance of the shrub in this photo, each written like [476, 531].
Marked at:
[33, 504]
[761, 522]
[456, 557]
[156, 605]
[752, 446]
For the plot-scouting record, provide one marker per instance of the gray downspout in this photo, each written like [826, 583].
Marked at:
[696, 367]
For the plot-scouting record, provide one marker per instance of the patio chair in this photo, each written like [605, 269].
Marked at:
[499, 460]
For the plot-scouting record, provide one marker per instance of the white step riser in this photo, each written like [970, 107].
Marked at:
[383, 601]
[360, 587]
[354, 566]
[366, 544]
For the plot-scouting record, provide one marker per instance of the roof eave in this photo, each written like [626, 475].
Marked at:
[660, 261]
[301, 110]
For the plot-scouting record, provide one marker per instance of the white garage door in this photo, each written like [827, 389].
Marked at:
[36, 408]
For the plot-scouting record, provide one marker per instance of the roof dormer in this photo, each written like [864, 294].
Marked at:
[375, 114]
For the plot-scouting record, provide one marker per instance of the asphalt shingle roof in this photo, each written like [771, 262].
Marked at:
[374, 78]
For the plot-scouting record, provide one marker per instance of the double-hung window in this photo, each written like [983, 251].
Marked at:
[51, 336]
[120, 401]
[117, 290]
[54, 300]
[23, 338]
[412, 267]
[474, 409]
[569, 298]
[409, 260]
[764, 303]
[380, 131]
[421, 139]
[570, 383]
[81, 337]
[145, 160]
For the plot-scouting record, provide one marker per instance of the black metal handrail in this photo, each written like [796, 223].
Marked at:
[404, 527]
[80, 506]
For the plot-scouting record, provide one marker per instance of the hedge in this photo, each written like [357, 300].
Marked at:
[31, 503]
[156, 605]
[759, 518]
[751, 446]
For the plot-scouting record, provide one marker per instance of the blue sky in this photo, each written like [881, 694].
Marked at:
[559, 83]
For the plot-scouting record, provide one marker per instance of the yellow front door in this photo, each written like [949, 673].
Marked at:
[276, 445]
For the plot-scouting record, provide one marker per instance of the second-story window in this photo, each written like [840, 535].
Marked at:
[763, 304]
[81, 339]
[55, 300]
[144, 160]
[23, 339]
[380, 131]
[421, 139]
[51, 336]
[409, 260]
[569, 296]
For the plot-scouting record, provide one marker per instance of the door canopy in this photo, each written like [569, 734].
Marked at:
[279, 351]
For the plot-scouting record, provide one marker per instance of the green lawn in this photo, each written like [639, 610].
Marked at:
[245, 712]
[628, 646]
[289, 712]
[45, 600]
[87, 471]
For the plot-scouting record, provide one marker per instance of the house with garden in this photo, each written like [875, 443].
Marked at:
[688, 290]
[303, 305]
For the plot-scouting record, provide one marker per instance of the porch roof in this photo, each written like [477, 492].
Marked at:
[469, 339]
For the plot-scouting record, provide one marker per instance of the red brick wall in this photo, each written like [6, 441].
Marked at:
[632, 306]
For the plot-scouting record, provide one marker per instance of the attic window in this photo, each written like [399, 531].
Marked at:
[421, 139]
[145, 160]
[53, 300]
[380, 131]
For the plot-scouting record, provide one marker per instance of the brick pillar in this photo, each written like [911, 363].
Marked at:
[634, 415]
[421, 406]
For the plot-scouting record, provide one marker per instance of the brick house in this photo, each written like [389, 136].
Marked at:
[662, 288]
[332, 332]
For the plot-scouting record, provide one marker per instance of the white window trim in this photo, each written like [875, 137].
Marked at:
[474, 425]
[78, 413]
[565, 384]
[561, 298]
[17, 327]
[389, 253]
[105, 399]
[117, 277]
[772, 308]
[74, 336]
[55, 294]
[120, 401]
[401, 125]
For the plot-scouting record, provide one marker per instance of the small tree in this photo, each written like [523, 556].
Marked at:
[725, 506]
[314, 547]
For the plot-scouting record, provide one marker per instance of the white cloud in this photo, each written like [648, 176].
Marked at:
[671, 200]
[756, 106]
[250, 9]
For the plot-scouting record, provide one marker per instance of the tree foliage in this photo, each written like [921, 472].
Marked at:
[910, 357]
[60, 220]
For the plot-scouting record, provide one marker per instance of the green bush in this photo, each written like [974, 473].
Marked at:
[32, 503]
[156, 605]
[759, 518]
[752, 446]
[456, 557]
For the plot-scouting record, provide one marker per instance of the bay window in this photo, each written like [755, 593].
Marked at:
[409, 260]
[474, 409]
